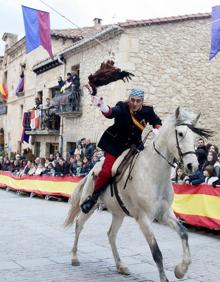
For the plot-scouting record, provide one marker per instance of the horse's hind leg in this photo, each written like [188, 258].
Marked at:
[146, 228]
[81, 219]
[112, 233]
[170, 219]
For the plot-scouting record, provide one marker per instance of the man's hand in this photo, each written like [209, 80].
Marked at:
[103, 107]
[99, 102]
[95, 101]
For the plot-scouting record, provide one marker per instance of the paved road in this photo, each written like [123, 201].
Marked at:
[35, 247]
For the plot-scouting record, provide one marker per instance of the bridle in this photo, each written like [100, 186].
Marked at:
[179, 162]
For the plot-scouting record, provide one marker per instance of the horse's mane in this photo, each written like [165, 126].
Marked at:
[188, 119]
[203, 132]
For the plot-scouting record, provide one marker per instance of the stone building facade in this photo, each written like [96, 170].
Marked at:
[169, 57]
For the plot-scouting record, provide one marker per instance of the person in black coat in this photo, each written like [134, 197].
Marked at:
[61, 82]
[130, 119]
[61, 168]
[197, 177]
[89, 149]
[86, 167]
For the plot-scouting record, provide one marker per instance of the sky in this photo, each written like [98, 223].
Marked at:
[82, 12]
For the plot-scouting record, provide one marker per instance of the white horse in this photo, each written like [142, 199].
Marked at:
[148, 194]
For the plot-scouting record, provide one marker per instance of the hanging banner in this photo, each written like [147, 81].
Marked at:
[41, 185]
[196, 205]
[215, 37]
[37, 29]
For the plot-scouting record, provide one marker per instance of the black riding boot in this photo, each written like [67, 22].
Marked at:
[89, 203]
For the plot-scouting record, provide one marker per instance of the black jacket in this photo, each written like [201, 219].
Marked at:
[89, 150]
[197, 178]
[61, 170]
[124, 133]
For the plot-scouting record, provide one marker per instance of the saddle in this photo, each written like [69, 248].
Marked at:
[118, 169]
[120, 165]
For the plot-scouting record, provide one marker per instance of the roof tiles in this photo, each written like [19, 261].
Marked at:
[133, 23]
[85, 32]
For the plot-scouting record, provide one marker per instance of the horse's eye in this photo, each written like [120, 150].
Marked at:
[180, 134]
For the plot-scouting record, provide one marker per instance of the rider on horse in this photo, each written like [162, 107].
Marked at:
[130, 119]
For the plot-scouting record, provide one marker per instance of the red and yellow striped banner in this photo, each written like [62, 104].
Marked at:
[196, 205]
[41, 185]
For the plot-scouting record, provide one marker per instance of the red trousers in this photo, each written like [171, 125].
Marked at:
[105, 174]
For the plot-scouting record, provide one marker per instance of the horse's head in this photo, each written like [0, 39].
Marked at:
[184, 139]
[180, 134]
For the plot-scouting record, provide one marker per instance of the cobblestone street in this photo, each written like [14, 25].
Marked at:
[35, 247]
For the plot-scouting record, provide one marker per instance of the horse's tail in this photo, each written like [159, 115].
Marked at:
[75, 200]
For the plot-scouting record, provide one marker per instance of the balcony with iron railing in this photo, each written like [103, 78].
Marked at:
[46, 122]
[68, 104]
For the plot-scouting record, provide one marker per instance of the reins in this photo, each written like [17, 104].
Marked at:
[180, 153]
[129, 177]
[114, 189]
[160, 154]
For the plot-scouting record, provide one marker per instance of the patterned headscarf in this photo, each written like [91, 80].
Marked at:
[136, 92]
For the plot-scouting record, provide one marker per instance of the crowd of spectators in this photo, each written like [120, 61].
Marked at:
[85, 155]
[208, 171]
[81, 160]
[71, 83]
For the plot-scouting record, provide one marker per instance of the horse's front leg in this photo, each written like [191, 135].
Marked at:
[170, 219]
[146, 228]
[82, 218]
[112, 233]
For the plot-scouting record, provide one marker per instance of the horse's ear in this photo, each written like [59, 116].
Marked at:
[177, 114]
[196, 119]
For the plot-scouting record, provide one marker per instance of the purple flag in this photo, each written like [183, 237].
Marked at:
[37, 29]
[20, 86]
[215, 41]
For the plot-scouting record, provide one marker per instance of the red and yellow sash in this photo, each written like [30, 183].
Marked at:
[135, 121]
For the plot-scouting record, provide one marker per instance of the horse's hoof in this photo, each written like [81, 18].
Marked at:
[180, 271]
[75, 262]
[123, 270]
